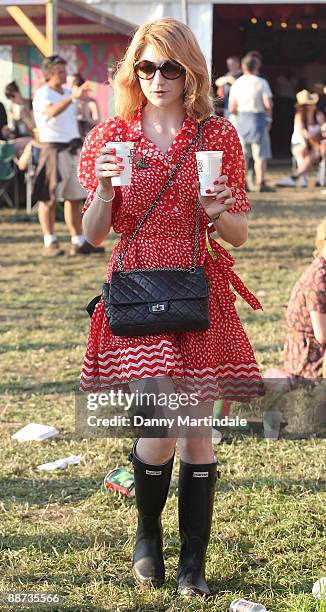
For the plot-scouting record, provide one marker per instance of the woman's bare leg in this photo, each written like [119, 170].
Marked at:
[155, 450]
[198, 449]
[304, 161]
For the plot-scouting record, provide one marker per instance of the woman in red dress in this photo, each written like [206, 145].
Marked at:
[162, 93]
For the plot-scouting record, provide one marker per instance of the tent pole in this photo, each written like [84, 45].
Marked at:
[184, 11]
[51, 26]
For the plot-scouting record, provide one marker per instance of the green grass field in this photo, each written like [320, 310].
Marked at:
[60, 532]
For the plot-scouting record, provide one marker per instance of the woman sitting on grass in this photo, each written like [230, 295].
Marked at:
[304, 348]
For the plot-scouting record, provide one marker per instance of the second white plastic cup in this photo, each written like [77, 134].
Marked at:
[209, 166]
[126, 151]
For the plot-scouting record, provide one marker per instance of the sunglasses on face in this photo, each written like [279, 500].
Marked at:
[169, 69]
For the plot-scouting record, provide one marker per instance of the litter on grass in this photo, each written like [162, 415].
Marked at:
[36, 432]
[319, 588]
[59, 463]
[120, 481]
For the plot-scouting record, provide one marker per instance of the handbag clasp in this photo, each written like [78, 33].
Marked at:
[162, 307]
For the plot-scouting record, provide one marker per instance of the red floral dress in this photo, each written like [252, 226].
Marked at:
[211, 362]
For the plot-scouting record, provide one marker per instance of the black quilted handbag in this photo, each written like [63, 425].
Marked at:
[158, 300]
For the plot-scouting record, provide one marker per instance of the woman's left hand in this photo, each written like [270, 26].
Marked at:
[219, 197]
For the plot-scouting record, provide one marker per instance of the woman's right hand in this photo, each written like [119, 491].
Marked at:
[106, 166]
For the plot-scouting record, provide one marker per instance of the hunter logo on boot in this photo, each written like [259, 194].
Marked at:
[200, 474]
[154, 472]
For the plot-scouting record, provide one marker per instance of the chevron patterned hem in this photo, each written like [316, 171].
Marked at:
[240, 382]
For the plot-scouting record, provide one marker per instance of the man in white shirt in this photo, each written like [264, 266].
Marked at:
[251, 100]
[56, 177]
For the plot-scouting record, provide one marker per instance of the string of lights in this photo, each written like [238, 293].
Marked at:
[284, 24]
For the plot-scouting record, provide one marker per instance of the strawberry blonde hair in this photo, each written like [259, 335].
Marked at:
[173, 40]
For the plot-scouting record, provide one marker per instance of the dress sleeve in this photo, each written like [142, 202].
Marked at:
[316, 294]
[93, 143]
[234, 167]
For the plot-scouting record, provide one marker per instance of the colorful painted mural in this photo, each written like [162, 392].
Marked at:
[22, 62]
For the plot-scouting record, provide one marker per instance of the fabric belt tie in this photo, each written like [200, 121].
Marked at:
[225, 262]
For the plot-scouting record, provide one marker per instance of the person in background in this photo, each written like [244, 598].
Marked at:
[251, 100]
[305, 342]
[55, 116]
[31, 153]
[306, 137]
[320, 89]
[86, 107]
[224, 83]
[20, 119]
[20, 115]
[259, 58]
[267, 137]
[4, 130]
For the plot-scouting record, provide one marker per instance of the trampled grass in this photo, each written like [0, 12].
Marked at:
[60, 532]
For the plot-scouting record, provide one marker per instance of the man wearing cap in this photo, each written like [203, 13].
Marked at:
[56, 175]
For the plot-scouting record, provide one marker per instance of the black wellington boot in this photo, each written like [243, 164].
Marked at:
[151, 489]
[196, 499]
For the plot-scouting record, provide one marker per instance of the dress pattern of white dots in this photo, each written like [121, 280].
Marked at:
[215, 363]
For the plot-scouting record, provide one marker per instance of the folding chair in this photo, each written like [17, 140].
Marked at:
[8, 174]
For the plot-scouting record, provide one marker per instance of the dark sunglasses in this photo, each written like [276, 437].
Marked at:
[169, 69]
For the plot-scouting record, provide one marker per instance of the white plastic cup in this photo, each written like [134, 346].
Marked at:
[209, 166]
[126, 151]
